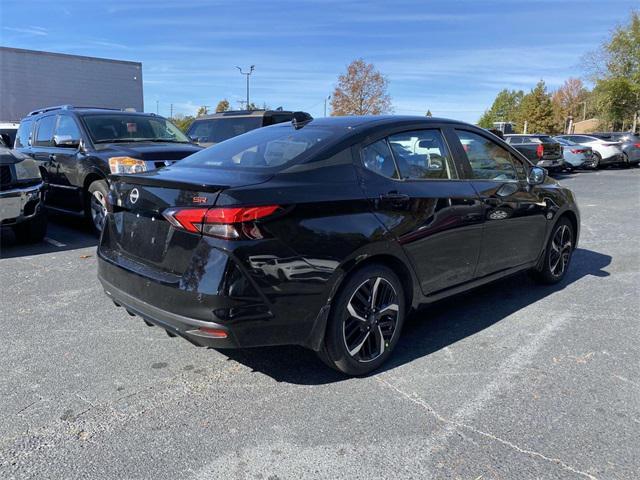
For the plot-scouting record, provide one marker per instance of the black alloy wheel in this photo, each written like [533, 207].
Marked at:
[96, 210]
[557, 255]
[365, 322]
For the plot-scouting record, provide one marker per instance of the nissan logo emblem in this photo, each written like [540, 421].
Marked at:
[134, 195]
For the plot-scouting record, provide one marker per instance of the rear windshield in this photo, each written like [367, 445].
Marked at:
[132, 128]
[215, 130]
[264, 148]
[540, 139]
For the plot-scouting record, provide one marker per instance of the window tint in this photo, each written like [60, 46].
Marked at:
[122, 127]
[44, 130]
[67, 126]
[421, 154]
[23, 137]
[488, 159]
[217, 130]
[377, 158]
[270, 147]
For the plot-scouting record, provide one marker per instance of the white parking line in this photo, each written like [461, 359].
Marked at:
[53, 242]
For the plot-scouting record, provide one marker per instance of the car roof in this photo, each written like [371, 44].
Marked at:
[83, 110]
[352, 121]
[244, 113]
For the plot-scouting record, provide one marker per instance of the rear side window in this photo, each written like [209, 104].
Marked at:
[264, 148]
[488, 160]
[23, 137]
[217, 130]
[514, 140]
[377, 157]
[422, 155]
[44, 131]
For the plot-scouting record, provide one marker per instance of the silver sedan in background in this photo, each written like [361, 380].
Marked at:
[576, 155]
[630, 144]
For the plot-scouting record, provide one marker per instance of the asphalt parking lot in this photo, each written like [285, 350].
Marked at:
[512, 380]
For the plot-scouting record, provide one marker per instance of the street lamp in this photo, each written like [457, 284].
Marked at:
[325, 105]
[247, 74]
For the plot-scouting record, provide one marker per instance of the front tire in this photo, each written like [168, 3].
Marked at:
[33, 230]
[96, 205]
[557, 256]
[596, 160]
[365, 321]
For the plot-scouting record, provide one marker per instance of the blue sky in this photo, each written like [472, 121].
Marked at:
[450, 56]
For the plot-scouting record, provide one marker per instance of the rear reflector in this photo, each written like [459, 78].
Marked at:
[224, 222]
[213, 332]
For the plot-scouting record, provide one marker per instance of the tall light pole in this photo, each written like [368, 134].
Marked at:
[325, 104]
[247, 74]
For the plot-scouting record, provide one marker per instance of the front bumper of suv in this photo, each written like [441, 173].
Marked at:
[20, 204]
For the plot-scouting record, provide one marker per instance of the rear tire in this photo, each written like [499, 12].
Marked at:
[557, 255]
[365, 321]
[596, 160]
[33, 230]
[96, 205]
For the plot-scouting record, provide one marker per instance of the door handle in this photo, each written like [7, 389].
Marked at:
[395, 197]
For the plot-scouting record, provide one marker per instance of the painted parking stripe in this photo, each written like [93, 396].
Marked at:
[53, 242]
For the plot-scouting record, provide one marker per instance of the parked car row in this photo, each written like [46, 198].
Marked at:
[578, 151]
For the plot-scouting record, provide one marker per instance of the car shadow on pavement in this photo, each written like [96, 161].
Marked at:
[430, 329]
[63, 233]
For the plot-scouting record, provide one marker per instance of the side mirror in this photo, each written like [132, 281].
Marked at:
[194, 139]
[536, 176]
[66, 141]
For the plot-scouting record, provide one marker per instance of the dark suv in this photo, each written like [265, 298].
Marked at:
[216, 128]
[76, 149]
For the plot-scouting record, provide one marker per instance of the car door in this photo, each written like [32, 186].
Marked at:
[514, 211]
[412, 182]
[64, 159]
[42, 151]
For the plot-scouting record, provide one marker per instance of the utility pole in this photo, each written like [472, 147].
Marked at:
[171, 116]
[325, 104]
[157, 107]
[247, 74]
[526, 124]
[584, 110]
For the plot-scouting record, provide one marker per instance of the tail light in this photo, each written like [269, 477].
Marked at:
[540, 151]
[578, 150]
[637, 145]
[224, 222]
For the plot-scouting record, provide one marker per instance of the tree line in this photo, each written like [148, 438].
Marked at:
[614, 70]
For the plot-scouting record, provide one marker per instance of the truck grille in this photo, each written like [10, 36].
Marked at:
[5, 175]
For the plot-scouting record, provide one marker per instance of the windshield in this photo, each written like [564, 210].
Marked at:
[264, 148]
[132, 128]
[215, 130]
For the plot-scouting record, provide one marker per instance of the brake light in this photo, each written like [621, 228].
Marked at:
[577, 150]
[637, 145]
[223, 222]
[540, 150]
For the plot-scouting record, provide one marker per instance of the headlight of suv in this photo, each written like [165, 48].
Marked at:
[127, 165]
[27, 170]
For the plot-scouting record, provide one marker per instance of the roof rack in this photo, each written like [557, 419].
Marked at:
[69, 107]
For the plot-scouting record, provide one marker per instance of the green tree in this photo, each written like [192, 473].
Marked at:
[615, 69]
[182, 122]
[536, 110]
[203, 110]
[223, 106]
[504, 108]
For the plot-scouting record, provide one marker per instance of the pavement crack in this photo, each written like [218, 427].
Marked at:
[413, 397]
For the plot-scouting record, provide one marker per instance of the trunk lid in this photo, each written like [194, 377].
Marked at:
[137, 229]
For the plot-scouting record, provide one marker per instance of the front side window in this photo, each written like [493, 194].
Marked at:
[422, 155]
[23, 137]
[264, 148]
[44, 131]
[132, 128]
[67, 127]
[378, 158]
[488, 160]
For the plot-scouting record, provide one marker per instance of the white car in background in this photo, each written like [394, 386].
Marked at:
[605, 152]
[8, 132]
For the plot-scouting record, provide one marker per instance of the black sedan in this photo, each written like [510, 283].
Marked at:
[326, 233]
